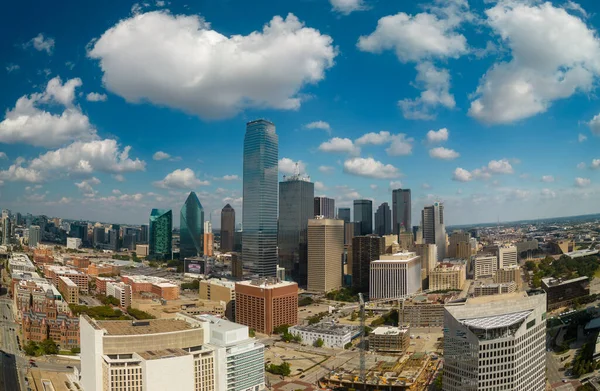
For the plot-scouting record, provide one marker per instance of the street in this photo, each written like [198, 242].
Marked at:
[14, 363]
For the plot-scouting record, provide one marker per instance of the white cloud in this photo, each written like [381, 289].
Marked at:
[581, 165]
[547, 178]
[336, 144]
[319, 186]
[581, 138]
[179, 62]
[86, 186]
[346, 7]
[426, 186]
[400, 145]
[326, 169]
[17, 173]
[462, 175]
[395, 185]
[373, 187]
[116, 191]
[554, 55]
[160, 155]
[594, 125]
[502, 166]
[12, 67]
[3, 155]
[119, 177]
[319, 125]
[41, 43]
[595, 164]
[87, 157]
[374, 138]
[547, 193]
[96, 97]
[27, 123]
[443, 153]
[582, 182]
[371, 168]
[181, 179]
[434, 137]
[230, 178]
[435, 84]
[571, 5]
[287, 166]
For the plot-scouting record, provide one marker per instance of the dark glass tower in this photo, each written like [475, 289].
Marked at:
[344, 214]
[383, 220]
[259, 215]
[160, 234]
[401, 210]
[191, 228]
[296, 195]
[227, 228]
[325, 207]
[363, 213]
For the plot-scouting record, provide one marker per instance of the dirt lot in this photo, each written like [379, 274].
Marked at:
[299, 361]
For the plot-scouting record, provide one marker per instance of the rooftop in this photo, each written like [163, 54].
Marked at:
[266, 283]
[221, 324]
[68, 281]
[20, 259]
[216, 281]
[494, 322]
[389, 330]
[403, 257]
[581, 253]
[152, 326]
[549, 281]
[158, 354]
[326, 328]
[495, 298]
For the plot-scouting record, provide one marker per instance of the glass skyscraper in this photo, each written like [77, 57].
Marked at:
[161, 234]
[296, 195]
[363, 213]
[344, 214]
[401, 210]
[227, 228]
[259, 215]
[191, 228]
[383, 220]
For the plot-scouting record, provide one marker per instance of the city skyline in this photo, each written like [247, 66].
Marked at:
[74, 98]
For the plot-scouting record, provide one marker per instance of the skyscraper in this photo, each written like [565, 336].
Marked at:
[434, 230]
[383, 220]
[144, 233]
[160, 234]
[34, 235]
[6, 231]
[364, 250]
[79, 230]
[325, 251]
[191, 228]
[259, 237]
[227, 228]
[296, 195]
[363, 213]
[344, 214]
[98, 236]
[325, 207]
[401, 207]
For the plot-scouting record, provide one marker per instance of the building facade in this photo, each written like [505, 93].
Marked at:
[323, 206]
[365, 249]
[333, 336]
[34, 236]
[395, 276]
[383, 220]
[121, 292]
[447, 277]
[191, 228]
[219, 291]
[389, 339]
[227, 228]
[401, 210]
[363, 214]
[325, 252]
[434, 229]
[507, 256]
[456, 246]
[485, 266]
[561, 293]
[344, 214]
[160, 235]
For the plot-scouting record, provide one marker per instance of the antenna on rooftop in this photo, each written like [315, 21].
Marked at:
[297, 170]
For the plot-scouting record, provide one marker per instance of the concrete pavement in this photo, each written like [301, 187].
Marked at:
[14, 362]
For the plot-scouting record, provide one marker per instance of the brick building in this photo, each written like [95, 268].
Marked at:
[103, 269]
[158, 286]
[61, 328]
[53, 272]
[69, 290]
[101, 283]
[43, 256]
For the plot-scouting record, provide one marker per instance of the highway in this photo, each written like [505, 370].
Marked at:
[14, 363]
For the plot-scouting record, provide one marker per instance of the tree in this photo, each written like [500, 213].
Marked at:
[31, 349]
[75, 350]
[139, 314]
[530, 266]
[252, 333]
[348, 345]
[282, 329]
[305, 301]
[283, 369]
[319, 343]
[49, 346]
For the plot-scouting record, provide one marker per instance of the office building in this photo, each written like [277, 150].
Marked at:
[158, 286]
[401, 210]
[365, 249]
[507, 256]
[459, 241]
[6, 231]
[334, 336]
[496, 343]
[144, 230]
[344, 214]
[348, 233]
[447, 276]
[434, 230]
[325, 252]
[482, 288]
[265, 304]
[259, 237]
[129, 241]
[73, 243]
[227, 228]
[208, 243]
[389, 339]
[222, 291]
[429, 257]
[423, 311]
[79, 230]
[237, 270]
[113, 240]
[296, 195]
[98, 234]
[395, 276]
[363, 214]
[69, 290]
[383, 220]
[149, 355]
[561, 293]
[160, 235]
[509, 274]
[34, 236]
[485, 266]
[191, 228]
[142, 250]
[121, 292]
[20, 262]
[325, 207]
[406, 240]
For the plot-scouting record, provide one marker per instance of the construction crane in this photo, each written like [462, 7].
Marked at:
[362, 366]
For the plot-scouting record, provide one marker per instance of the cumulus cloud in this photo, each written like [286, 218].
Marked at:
[435, 86]
[86, 186]
[502, 166]
[346, 7]
[160, 155]
[3, 155]
[547, 178]
[581, 138]
[339, 145]
[594, 125]
[547, 193]
[18, 173]
[116, 191]
[554, 55]
[582, 182]
[12, 67]
[326, 169]
[28, 123]
[319, 186]
[96, 97]
[230, 178]
[395, 185]
[319, 125]
[595, 164]
[400, 145]
[181, 179]
[439, 136]
[41, 44]
[462, 175]
[443, 153]
[370, 168]
[494, 167]
[374, 138]
[180, 62]
[287, 166]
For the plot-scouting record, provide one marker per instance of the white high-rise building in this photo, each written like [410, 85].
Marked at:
[485, 266]
[434, 229]
[73, 243]
[507, 256]
[207, 227]
[395, 276]
[496, 343]
[120, 291]
[34, 235]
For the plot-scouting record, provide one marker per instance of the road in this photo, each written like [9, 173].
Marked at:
[14, 363]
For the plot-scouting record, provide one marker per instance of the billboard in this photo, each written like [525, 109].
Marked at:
[195, 266]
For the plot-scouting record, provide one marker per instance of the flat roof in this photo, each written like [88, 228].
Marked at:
[326, 328]
[67, 281]
[401, 257]
[152, 326]
[221, 324]
[493, 322]
[159, 354]
[266, 284]
[389, 330]
[581, 253]
[551, 282]
[493, 298]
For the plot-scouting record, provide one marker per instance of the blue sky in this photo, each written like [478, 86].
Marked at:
[112, 108]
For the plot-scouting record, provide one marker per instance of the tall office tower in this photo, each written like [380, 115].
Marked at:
[191, 228]
[365, 249]
[5, 214]
[6, 231]
[324, 207]
[401, 210]
[429, 257]
[344, 214]
[160, 235]
[79, 230]
[507, 256]
[434, 230]
[383, 220]
[18, 219]
[144, 233]
[129, 241]
[348, 233]
[227, 228]
[296, 195]
[325, 251]
[455, 242]
[208, 244]
[363, 213]
[98, 236]
[113, 239]
[259, 237]
[34, 236]
[395, 276]
[496, 343]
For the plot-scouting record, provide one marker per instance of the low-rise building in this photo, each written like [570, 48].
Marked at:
[142, 250]
[217, 290]
[53, 272]
[158, 286]
[73, 243]
[121, 292]
[50, 324]
[560, 293]
[101, 283]
[19, 262]
[509, 274]
[395, 276]
[389, 339]
[43, 256]
[447, 276]
[334, 336]
[103, 269]
[69, 290]
[423, 311]
[488, 289]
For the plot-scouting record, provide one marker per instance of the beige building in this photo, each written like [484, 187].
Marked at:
[509, 274]
[485, 289]
[485, 266]
[141, 250]
[428, 254]
[422, 311]
[389, 339]
[447, 276]
[507, 256]
[325, 250]
[395, 276]
[121, 292]
[221, 292]
[406, 241]
[459, 242]
[69, 290]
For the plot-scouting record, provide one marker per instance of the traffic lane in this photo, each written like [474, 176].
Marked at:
[10, 379]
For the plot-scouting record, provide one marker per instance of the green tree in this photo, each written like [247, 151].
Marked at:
[305, 301]
[348, 345]
[319, 343]
[282, 329]
[31, 349]
[139, 314]
[252, 333]
[283, 369]
[75, 350]
[49, 346]
[530, 266]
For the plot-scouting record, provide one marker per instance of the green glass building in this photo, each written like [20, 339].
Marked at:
[161, 234]
[191, 228]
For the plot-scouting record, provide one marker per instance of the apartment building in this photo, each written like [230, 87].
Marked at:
[69, 290]
[447, 276]
[121, 292]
